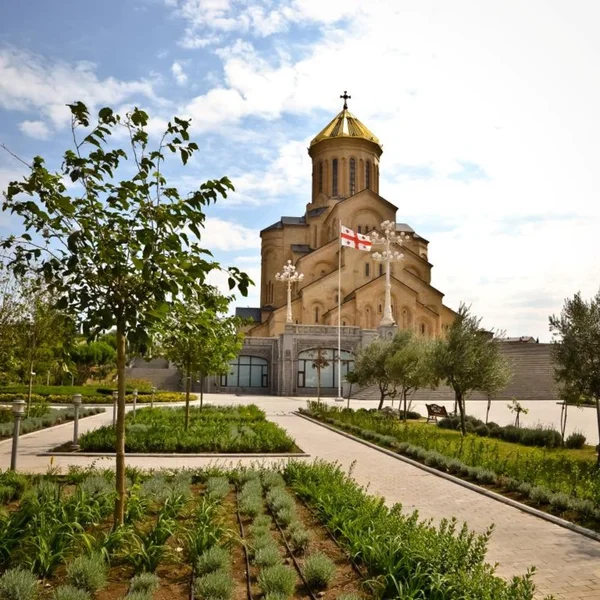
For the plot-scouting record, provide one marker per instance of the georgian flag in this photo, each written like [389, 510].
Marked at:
[355, 240]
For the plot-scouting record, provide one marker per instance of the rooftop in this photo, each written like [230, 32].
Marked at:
[345, 124]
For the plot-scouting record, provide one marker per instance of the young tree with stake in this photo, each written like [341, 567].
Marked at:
[117, 252]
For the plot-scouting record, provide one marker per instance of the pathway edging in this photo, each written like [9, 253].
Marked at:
[466, 484]
[180, 455]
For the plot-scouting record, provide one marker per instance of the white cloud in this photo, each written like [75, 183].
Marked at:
[29, 82]
[179, 74]
[35, 129]
[219, 234]
[219, 280]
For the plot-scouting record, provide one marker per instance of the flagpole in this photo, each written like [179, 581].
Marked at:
[339, 398]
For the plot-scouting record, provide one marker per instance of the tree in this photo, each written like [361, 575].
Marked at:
[496, 378]
[92, 357]
[320, 361]
[409, 366]
[351, 378]
[517, 409]
[576, 349]
[371, 368]
[119, 250]
[198, 338]
[466, 358]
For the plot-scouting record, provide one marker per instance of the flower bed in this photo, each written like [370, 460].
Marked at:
[51, 418]
[6, 398]
[211, 429]
[553, 480]
[182, 534]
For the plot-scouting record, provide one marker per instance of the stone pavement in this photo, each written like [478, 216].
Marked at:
[568, 564]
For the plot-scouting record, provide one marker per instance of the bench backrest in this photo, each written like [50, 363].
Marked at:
[437, 410]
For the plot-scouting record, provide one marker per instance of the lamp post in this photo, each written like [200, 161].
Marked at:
[76, 405]
[152, 392]
[115, 399]
[289, 275]
[18, 408]
[31, 376]
[387, 241]
[135, 395]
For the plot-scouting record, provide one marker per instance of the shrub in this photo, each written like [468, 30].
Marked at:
[277, 579]
[560, 501]
[575, 441]
[217, 487]
[272, 479]
[144, 583]
[318, 570]
[217, 585]
[87, 573]
[350, 597]
[482, 430]
[267, 556]
[539, 495]
[251, 505]
[18, 584]
[485, 476]
[214, 559]
[286, 515]
[299, 538]
[70, 592]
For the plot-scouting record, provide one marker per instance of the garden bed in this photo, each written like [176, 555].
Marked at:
[234, 535]
[231, 430]
[49, 418]
[565, 483]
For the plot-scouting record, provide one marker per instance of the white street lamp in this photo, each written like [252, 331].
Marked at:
[31, 376]
[76, 405]
[115, 396]
[135, 397]
[290, 276]
[387, 241]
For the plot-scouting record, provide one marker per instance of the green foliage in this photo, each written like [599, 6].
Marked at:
[575, 441]
[218, 429]
[87, 573]
[405, 557]
[218, 585]
[299, 537]
[70, 592]
[144, 583]
[318, 570]
[576, 350]
[213, 559]
[466, 360]
[267, 556]
[51, 418]
[18, 584]
[217, 488]
[205, 532]
[370, 368]
[277, 579]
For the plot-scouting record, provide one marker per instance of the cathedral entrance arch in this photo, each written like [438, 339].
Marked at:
[307, 372]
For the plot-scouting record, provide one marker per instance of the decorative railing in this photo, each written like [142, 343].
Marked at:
[322, 329]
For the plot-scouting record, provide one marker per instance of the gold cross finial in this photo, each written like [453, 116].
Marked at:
[345, 98]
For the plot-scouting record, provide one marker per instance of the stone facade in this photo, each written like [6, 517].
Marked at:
[345, 188]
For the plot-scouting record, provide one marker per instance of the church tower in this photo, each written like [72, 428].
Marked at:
[345, 189]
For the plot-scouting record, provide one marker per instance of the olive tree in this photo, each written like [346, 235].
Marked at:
[466, 359]
[576, 349]
[115, 251]
[371, 368]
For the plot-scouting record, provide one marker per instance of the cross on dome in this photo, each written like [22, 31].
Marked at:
[345, 97]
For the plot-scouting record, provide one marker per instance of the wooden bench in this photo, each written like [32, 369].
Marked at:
[435, 410]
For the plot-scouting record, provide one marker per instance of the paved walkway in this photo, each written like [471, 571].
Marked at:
[568, 563]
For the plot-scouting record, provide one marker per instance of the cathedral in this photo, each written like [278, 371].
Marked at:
[345, 188]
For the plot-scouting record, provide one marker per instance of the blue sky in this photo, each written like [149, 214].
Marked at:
[487, 112]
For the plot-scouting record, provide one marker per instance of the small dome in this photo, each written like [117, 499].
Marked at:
[345, 124]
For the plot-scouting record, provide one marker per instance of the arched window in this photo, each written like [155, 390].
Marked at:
[334, 177]
[379, 309]
[320, 175]
[423, 329]
[359, 229]
[352, 177]
[381, 268]
[307, 372]
[247, 371]
[368, 175]
[367, 269]
[316, 314]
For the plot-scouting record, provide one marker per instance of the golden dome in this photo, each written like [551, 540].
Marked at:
[345, 124]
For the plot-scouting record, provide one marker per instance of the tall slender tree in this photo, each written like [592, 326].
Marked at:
[118, 249]
[576, 349]
[371, 368]
[467, 358]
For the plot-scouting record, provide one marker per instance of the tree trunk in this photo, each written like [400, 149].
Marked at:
[201, 390]
[120, 430]
[404, 397]
[487, 412]
[381, 399]
[188, 387]
[459, 400]
[318, 385]
[598, 418]
[349, 394]
[563, 421]
[30, 386]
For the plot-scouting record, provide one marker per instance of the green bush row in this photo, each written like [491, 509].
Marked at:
[586, 511]
[542, 437]
[96, 399]
[69, 390]
[553, 469]
[51, 418]
[405, 557]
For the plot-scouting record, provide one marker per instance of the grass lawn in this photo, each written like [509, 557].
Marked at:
[233, 429]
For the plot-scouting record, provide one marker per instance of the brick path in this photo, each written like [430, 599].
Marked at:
[568, 564]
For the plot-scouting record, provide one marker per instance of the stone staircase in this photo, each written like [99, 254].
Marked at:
[533, 378]
[158, 371]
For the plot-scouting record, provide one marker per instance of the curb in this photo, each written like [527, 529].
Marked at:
[52, 427]
[174, 455]
[466, 484]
